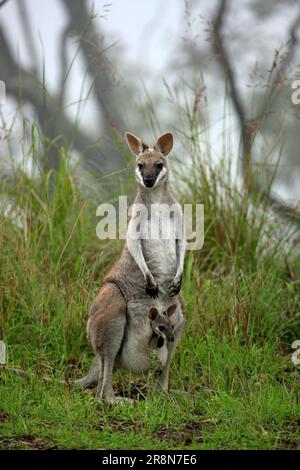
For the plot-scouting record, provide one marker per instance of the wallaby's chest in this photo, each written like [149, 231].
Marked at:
[159, 244]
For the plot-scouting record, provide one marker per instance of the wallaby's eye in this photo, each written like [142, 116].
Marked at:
[161, 328]
[140, 166]
[159, 165]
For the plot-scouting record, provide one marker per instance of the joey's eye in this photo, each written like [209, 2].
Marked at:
[140, 166]
[159, 165]
[161, 328]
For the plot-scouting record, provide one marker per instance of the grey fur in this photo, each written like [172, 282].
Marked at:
[147, 274]
[162, 327]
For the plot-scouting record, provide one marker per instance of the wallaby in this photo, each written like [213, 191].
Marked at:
[161, 325]
[148, 272]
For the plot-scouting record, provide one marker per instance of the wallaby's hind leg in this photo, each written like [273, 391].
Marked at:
[91, 379]
[163, 378]
[107, 353]
[104, 387]
[106, 328]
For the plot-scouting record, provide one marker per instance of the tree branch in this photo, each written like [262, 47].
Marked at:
[56, 126]
[223, 58]
[3, 3]
[82, 24]
[64, 61]
[28, 37]
[252, 184]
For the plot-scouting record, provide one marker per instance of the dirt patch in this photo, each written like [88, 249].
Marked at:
[288, 444]
[25, 442]
[292, 434]
[114, 426]
[191, 433]
[72, 367]
[136, 389]
[4, 417]
[292, 425]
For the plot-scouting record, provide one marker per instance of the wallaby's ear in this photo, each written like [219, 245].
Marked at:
[171, 310]
[153, 312]
[135, 144]
[164, 143]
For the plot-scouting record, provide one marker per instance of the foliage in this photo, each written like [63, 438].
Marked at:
[233, 384]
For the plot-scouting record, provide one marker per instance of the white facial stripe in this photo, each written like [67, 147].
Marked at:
[139, 176]
[161, 175]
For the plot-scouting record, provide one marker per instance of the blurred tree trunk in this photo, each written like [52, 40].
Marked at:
[253, 185]
[57, 128]
[81, 23]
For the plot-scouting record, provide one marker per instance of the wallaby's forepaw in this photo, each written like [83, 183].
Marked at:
[175, 287]
[151, 288]
[152, 292]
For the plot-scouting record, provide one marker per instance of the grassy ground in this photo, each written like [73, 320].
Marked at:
[233, 385]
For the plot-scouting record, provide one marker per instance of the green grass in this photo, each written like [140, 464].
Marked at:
[233, 385]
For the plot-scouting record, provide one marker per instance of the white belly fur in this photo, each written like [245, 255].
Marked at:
[160, 254]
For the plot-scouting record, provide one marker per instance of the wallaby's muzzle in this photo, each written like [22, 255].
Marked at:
[149, 181]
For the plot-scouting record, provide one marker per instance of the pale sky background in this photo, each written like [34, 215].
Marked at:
[148, 33]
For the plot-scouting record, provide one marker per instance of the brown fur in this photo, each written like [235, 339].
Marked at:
[119, 329]
[108, 305]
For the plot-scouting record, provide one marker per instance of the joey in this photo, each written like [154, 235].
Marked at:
[162, 325]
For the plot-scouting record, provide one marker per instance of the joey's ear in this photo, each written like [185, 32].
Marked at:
[135, 144]
[153, 312]
[164, 143]
[171, 310]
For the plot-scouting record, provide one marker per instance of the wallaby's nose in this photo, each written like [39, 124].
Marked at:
[149, 181]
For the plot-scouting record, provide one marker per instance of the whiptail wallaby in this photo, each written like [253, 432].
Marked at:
[147, 275]
[162, 326]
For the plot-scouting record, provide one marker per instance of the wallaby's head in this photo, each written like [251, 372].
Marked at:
[151, 163]
[161, 323]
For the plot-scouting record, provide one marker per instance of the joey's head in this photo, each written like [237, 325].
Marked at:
[151, 163]
[161, 324]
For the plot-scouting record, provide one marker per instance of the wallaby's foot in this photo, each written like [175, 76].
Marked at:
[116, 400]
[175, 287]
[85, 382]
[91, 379]
[163, 385]
[151, 287]
[111, 398]
[163, 380]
